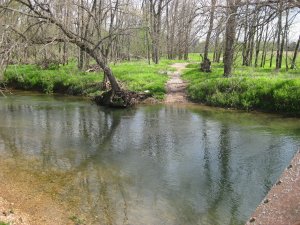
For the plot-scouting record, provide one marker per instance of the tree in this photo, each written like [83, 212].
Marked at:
[95, 39]
[279, 34]
[232, 7]
[293, 64]
[155, 10]
[205, 65]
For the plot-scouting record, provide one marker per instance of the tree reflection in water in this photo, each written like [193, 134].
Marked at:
[149, 165]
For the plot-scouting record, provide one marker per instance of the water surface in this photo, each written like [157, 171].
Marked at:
[147, 165]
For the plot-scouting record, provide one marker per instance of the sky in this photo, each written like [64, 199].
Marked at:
[295, 30]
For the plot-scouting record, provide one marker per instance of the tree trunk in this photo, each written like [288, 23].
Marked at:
[81, 59]
[293, 65]
[278, 54]
[251, 48]
[148, 47]
[216, 48]
[229, 37]
[210, 28]
[171, 54]
[156, 8]
[108, 73]
[286, 39]
[245, 43]
[264, 53]
[65, 54]
[272, 51]
[257, 48]
[206, 64]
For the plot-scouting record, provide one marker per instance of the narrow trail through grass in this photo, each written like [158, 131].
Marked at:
[176, 87]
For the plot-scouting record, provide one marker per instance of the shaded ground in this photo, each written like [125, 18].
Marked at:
[282, 204]
[176, 86]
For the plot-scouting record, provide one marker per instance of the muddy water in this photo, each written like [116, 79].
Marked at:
[148, 165]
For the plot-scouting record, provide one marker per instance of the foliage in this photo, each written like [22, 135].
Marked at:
[248, 88]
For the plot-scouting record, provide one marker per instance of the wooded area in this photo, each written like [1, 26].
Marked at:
[173, 158]
[51, 32]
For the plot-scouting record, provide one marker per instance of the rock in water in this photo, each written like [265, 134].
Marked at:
[120, 99]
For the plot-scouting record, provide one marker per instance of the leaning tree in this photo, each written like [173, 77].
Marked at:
[92, 27]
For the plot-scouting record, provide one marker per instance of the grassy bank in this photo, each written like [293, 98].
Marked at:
[135, 76]
[248, 88]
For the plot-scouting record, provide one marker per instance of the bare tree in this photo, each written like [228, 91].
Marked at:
[96, 32]
[156, 8]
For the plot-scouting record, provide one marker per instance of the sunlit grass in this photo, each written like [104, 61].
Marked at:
[139, 76]
[208, 88]
[248, 88]
[135, 76]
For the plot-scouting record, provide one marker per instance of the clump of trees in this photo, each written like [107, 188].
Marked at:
[256, 31]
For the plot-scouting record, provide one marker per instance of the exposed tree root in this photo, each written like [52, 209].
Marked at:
[2, 88]
[120, 99]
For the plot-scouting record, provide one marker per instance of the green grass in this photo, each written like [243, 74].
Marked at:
[135, 76]
[3, 223]
[139, 76]
[66, 79]
[249, 88]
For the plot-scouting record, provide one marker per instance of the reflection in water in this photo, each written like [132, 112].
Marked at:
[150, 165]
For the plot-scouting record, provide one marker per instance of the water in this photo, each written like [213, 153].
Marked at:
[148, 165]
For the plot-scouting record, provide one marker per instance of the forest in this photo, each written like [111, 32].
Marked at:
[116, 48]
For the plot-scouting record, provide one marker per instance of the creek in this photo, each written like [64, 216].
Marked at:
[152, 164]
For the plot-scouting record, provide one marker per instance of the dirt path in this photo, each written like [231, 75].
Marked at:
[176, 86]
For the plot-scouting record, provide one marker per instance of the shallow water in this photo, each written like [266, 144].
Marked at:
[147, 165]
